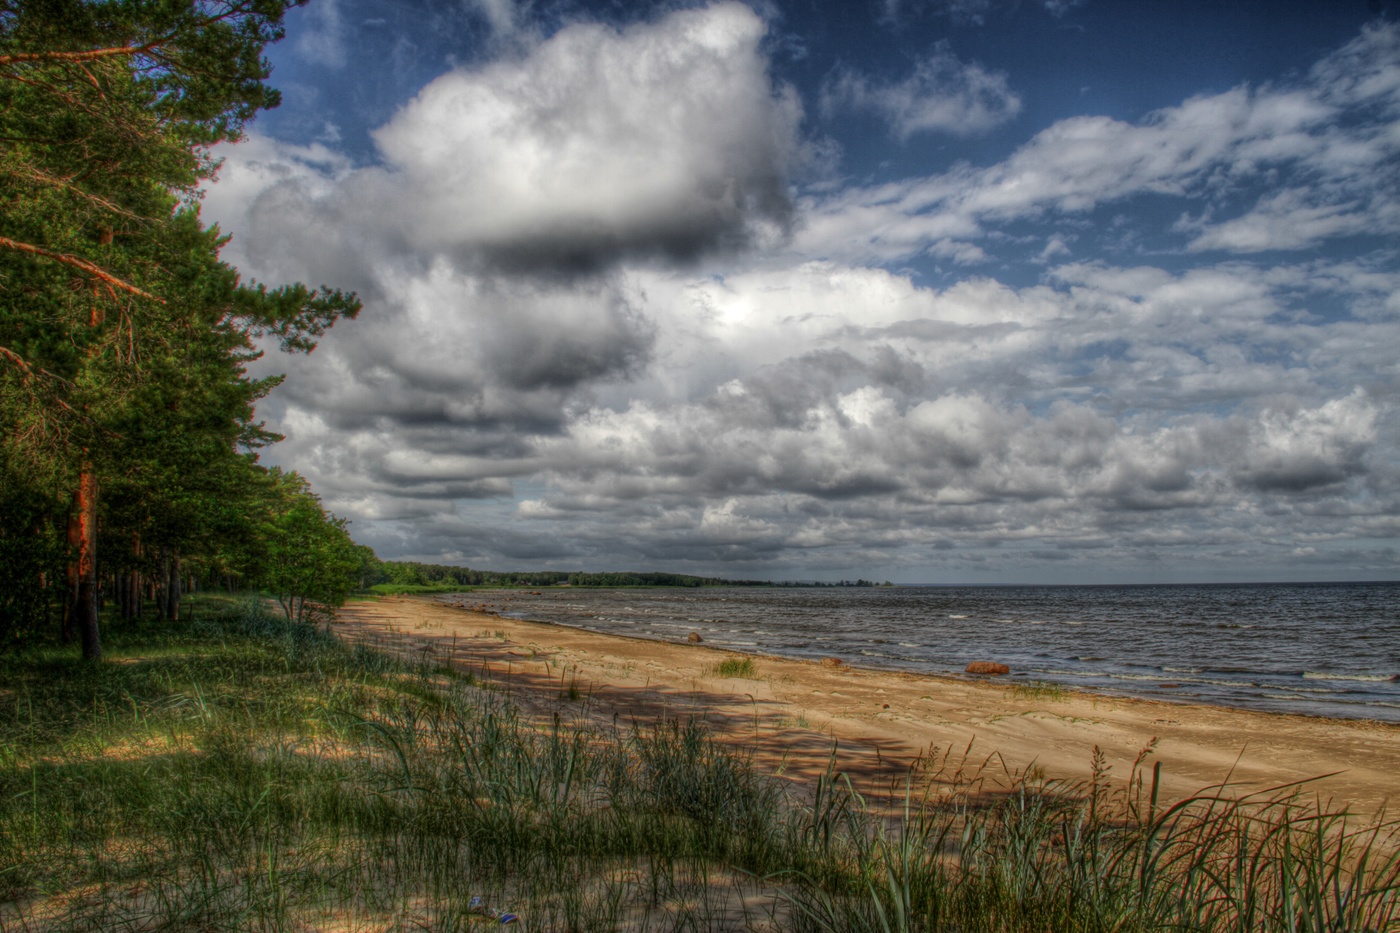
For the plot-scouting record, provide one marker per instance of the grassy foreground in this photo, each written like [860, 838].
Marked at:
[240, 772]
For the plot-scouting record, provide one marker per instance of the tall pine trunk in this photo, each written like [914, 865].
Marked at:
[82, 534]
[172, 598]
[82, 568]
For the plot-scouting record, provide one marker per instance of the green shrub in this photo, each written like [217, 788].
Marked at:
[736, 667]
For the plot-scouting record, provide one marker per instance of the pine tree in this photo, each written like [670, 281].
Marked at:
[123, 337]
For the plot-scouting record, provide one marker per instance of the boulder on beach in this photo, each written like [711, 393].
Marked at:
[987, 667]
[833, 662]
[694, 636]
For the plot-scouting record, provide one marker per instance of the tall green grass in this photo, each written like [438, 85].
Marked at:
[1086, 857]
[246, 773]
[735, 667]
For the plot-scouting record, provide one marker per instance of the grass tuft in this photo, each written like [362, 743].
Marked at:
[1039, 690]
[735, 667]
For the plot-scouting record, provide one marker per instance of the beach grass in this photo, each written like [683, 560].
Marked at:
[736, 667]
[241, 772]
[1039, 690]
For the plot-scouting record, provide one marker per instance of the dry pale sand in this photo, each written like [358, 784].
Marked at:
[881, 721]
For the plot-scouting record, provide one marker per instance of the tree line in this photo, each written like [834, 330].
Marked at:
[129, 441]
[128, 436]
[413, 573]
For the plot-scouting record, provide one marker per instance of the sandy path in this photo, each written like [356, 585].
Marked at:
[882, 720]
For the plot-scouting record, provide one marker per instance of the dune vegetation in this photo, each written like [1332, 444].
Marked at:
[246, 771]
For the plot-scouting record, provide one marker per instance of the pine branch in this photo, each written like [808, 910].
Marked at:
[30, 371]
[81, 264]
[25, 58]
[39, 176]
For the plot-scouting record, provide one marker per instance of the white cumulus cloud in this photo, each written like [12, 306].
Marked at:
[589, 341]
[1336, 135]
[943, 95]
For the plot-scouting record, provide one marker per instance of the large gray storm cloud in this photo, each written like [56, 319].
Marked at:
[623, 310]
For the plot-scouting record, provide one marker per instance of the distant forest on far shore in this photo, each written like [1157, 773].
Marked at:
[413, 573]
[393, 574]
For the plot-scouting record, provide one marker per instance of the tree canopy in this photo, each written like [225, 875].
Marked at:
[125, 402]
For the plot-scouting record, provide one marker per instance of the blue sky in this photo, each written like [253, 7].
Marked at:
[940, 291]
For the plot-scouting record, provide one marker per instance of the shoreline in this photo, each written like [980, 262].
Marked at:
[882, 720]
[1237, 650]
[954, 677]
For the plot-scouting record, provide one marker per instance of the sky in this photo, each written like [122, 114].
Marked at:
[930, 291]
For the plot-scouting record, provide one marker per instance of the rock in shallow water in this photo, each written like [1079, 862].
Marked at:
[987, 667]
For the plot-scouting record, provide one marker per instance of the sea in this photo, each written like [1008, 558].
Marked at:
[1321, 649]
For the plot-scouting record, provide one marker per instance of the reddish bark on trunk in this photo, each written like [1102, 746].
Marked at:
[82, 536]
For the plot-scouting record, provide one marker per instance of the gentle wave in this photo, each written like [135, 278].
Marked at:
[1296, 647]
[1364, 678]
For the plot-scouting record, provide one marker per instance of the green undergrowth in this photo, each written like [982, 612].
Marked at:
[735, 667]
[243, 773]
[416, 589]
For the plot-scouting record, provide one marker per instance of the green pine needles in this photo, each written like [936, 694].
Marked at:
[127, 422]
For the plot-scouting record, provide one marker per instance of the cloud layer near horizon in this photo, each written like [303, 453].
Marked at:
[605, 326]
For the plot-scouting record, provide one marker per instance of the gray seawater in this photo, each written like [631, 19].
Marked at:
[1320, 649]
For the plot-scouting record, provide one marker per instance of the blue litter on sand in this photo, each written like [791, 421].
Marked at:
[477, 905]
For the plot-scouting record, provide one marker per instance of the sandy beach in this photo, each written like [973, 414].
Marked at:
[792, 712]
